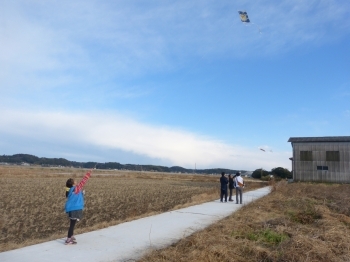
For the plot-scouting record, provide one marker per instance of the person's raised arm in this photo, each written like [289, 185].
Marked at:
[80, 186]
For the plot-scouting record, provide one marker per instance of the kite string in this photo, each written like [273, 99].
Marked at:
[257, 27]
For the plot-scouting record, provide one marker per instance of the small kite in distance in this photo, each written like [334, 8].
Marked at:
[244, 16]
[245, 19]
[264, 149]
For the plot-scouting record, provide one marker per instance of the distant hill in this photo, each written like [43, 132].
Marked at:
[25, 159]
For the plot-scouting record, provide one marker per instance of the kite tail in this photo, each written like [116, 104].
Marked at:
[257, 27]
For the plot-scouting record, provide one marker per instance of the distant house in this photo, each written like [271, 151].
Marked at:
[325, 159]
[247, 173]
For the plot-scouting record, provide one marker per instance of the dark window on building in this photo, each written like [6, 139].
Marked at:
[332, 156]
[305, 155]
[322, 167]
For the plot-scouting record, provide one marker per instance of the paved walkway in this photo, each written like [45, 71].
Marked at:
[130, 240]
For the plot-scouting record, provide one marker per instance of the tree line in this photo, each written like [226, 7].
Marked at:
[278, 172]
[18, 159]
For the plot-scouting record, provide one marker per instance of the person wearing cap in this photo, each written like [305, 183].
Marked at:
[223, 191]
[239, 187]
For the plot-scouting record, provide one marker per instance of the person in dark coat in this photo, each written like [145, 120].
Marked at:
[230, 186]
[223, 182]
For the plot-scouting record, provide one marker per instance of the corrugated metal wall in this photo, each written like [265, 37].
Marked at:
[338, 171]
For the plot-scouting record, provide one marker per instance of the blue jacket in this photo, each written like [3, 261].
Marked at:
[223, 182]
[74, 201]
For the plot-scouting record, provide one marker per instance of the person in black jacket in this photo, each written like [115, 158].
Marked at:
[223, 182]
[230, 186]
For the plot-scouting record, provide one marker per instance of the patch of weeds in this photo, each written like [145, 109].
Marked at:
[326, 183]
[346, 224]
[306, 216]
[267, 236]
[238, 235]
[253, 236]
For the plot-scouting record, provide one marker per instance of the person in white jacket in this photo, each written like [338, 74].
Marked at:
[239, 187]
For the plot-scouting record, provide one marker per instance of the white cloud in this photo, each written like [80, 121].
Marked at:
[108, 132]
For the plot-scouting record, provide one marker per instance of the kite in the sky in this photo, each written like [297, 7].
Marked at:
[245, 19]
[244, 16]
[264, 149]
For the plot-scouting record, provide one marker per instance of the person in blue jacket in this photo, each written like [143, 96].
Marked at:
[223, 191]
[75, 204]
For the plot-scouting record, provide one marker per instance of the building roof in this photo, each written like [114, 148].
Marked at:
[320, 139]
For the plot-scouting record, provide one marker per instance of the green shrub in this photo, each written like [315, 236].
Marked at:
[267, 236]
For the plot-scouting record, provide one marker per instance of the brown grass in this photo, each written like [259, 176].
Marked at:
[33, 198]
[296, 222]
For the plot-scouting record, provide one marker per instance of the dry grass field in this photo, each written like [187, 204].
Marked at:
[32, 200]
[296, 222]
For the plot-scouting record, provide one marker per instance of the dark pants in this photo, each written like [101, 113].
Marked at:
[230, 198]
[223, 192]
[71, 227]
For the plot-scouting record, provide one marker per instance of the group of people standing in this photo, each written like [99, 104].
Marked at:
[75, 198]
[232, 182]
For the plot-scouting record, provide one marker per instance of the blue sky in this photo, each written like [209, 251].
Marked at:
[172, 82]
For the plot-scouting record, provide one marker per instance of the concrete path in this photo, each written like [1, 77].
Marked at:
[130, 240]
